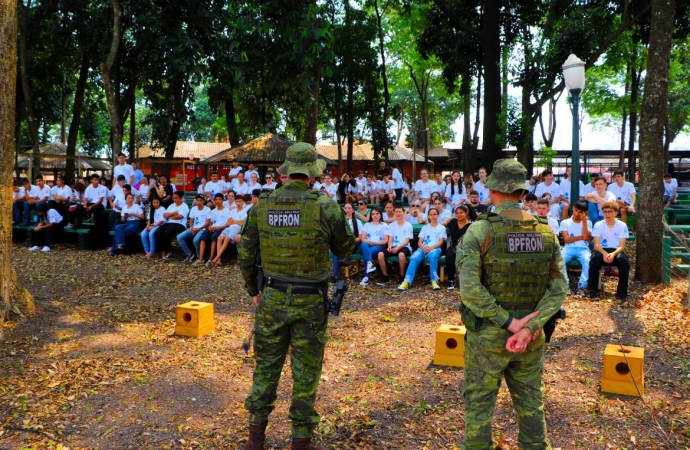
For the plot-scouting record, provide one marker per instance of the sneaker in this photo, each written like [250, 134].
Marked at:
[188, 258]
[45, 249]
[594, 295]
[435, 286]
[34, 248]
[383, 281]
[69, 226]
[364, 282]
[165, 257]
[371, 267]
[580, 292]
[198, 262]
[622, 298]
[451, 285]
[404, 286]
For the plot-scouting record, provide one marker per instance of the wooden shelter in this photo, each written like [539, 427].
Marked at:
[53, 159]
[363, 157]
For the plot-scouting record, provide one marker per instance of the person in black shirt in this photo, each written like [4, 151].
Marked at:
[163, 192]
[383, 169]
[476, 208]
[457, 227]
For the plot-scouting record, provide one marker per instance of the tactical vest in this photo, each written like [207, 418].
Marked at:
[517, 267]
[293, 242]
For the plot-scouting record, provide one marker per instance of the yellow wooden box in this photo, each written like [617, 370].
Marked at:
[194, 319]
[622, 365]
[450, 346]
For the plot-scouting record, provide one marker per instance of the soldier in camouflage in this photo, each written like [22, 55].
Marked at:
[289, 232]
[511, 281]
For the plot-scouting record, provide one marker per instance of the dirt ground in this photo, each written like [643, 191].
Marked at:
[99, 366]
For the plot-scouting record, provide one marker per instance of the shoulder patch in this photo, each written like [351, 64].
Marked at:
[525, 242]
[284, 218]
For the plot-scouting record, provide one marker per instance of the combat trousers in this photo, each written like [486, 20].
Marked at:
[486, 362]
[285, 320]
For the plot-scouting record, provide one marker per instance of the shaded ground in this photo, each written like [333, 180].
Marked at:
[100, 367]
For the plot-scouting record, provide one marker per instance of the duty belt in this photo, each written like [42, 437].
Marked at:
[298, 288]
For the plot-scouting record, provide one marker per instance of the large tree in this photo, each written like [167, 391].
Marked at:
[13, 298]
[652, 121]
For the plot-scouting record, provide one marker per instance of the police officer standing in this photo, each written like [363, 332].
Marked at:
[289, 231]
[511, 281]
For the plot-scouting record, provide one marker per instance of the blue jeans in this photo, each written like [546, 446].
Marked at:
[336, 261]
[122, 230]
[368, 250]
[593, 212]
[417, 257]
[148, 240]
[583, 255]
[183, 238]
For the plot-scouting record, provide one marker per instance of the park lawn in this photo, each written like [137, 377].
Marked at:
[99, 365]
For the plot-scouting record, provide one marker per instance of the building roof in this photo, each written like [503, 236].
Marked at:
[83, 161]
[365, 152]
[185, 150]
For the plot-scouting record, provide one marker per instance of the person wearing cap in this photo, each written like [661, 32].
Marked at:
[49, 222]
[511, 281]
[289, 232]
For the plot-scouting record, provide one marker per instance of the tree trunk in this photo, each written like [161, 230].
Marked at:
[634, 93]
[312, 120]
[384, 75]
[491, 57]
[654, 110]
[133, 153]
[76, 116]
[111, 92]
[13, 298]
[477, 121]
[26, 90]
[468, 156]
[231, 121]
[525, 149]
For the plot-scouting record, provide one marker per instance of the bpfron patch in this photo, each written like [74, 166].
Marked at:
[284, 218]
[525, 242]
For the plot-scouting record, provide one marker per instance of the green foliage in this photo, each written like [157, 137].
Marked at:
[545, 156]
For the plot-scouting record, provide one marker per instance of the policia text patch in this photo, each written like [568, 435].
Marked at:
[525, 242]
[287, 218]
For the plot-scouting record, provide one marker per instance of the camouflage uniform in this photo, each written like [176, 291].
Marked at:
[501, 280]
[290, 231]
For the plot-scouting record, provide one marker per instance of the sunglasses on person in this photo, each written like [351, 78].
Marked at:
[416, 206]
[269, 178]
[361, 203]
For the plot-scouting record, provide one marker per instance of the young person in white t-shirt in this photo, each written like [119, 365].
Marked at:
[566, 185]
[597, 198]
[558, 202]
[213, 187]
[374, 240]
[31, 196]
[481, 189]
[455, 191]
[93, 201]
[423, 188]
[123, 169]
[610, 236]
[17, 202]
[220, 216]
[241, 187]
[176, 216]
[398, 182]
[576, 233]
[329, 188]
[625, 194]
[231, 235]
[199, 221]
[234, 170]
[386, 189]
[154, 221]
[49, 222]
[131, 218]
[270, 183]
[399, 234]
[439, 184]
[388, 212]
[543, 209]
[61, 196]
[431, 240]
[670, 190]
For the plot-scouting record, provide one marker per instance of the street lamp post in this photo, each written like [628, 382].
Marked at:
[574, 77]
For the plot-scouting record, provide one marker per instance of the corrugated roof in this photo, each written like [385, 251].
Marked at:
[186, 150]
[83, 161]
[268, 148]
[365, 152]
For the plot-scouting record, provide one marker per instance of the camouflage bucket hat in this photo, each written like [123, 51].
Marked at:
[508, 176]
[302, 158]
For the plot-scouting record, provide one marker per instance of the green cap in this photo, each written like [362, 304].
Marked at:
[302, 158]
[508, 176]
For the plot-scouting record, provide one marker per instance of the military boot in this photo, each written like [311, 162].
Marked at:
[257, 437]
[304, 444]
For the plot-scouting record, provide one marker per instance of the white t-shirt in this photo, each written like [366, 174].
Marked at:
[481, 190]
[554, 190]
[375, 233]
[669, 187]
[134, 209]
[565, 188]
[271, 186]
[610, 237]
[158, 215]
[243, 189]
[214, 187]
[201, 189]
[424, 189]
[415, 220]
[440, 188]
[397, 178]
[143, 191]
[588, 188]
[199, 217]
[33, 191]
[125, 170]
[531, 187]
[354, 190]
[18, 194]
[575, 229]
[94, 194]
[64, 191]
[399, 233]
[609, 197]
[623, 193]
[53, 216]
[331, 190]
[431, 235]
[237, 214]
[254, 186]
[386, 188]
[248, 174]
[372, 188]
[459, 194]
[234, 171]
[445, 214]
[219, 217]
[44, 192]
[183, 209]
